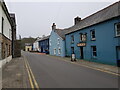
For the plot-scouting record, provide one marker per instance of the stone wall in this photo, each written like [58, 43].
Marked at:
[6, 47]
[17, 50]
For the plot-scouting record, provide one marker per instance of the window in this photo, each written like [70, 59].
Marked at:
[58, 41]
[50, 43]
[72, 39]
[83, 37]
[118, 29]
[10, 34]
[94, 51]
[2, 24]
[59, 51]
[54, 51]
[93, 35]
[72, 50]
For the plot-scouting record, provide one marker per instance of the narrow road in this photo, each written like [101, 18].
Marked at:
[52, 73]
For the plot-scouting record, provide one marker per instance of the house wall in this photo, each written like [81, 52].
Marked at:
[7, 27]
[0, 18]
[36, 46]
[28, 48]
[5, 38]
[106, 42]
[53, 44]
[44, 46]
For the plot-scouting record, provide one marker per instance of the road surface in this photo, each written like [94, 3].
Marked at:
[50, 72]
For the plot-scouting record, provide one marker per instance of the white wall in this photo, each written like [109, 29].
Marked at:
[36, 46]
[0, 18]
[7, 27]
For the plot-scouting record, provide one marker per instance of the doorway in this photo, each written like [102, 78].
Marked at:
[81, 53]
[118, 53]
[118, 56]
[28, 49]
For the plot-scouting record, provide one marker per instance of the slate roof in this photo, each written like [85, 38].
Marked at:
[100, 16]
[44, 38]
[61, 32]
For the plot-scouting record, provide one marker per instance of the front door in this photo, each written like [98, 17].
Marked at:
[28, 49]
[81, 53]
[118, 53]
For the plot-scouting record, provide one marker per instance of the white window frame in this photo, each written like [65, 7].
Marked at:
[54, 51]
[58, 41]
[94, 51]
[117, 29]
[50, 43]
[92, 35]
[83, 37]
[59, 51]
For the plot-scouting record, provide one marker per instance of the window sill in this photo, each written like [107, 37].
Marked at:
[94, 58]
[93, 39]
[72, 42]
[82, 41]
[117, 36]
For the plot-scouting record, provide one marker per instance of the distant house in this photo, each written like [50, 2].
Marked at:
[5, 34]
[97, 37]
[57, 41]
[28, 47]
[44, 44]
[36, 46]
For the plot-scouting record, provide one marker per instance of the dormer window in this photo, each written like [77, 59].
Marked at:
[93, 36]
[118, 29]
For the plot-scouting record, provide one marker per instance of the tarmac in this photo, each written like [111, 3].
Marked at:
[93, 65]
[14, 74]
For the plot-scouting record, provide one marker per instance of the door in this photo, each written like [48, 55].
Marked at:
[118, 56]
[81, 53]
[118, 53]
[28, 49]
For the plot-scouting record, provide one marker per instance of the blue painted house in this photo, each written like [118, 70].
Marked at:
[57, 41]
[97, 37]
[44, 44]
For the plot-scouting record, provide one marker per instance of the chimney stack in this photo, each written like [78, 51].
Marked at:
[53, 26]
[77, 20]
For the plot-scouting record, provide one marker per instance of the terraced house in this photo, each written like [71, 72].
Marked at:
[57, 41]
[5, 34]
[96, 38]
[44, 44]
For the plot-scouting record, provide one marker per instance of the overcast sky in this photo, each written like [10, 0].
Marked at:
[35, 18]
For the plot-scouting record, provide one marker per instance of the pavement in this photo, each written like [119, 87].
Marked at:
[56, 72]
[14, 74]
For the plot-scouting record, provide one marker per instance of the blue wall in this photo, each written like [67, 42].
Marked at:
[44, 46]
[53, 40]
[105, 42]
